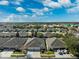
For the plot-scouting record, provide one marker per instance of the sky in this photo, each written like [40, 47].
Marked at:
[39, 10]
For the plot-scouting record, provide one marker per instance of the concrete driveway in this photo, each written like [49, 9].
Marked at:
[57, 55]
[6, 53]
[33, 54]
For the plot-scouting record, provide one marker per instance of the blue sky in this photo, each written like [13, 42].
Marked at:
[39, 10]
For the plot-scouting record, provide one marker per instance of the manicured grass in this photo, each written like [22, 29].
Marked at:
[18, 54]
[48, 54]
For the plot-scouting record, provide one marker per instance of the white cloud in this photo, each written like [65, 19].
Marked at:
[73, 10]
[51, 4]
[15, 18]
[26, 16]
[77, 0]
[60, 3]
[9, 18]
[20, 9]
[33, 16]
[16, 2]
[40, 12]
[20, 0]
[4, 2]
[46, 9]
[37, 11]
[65, 3]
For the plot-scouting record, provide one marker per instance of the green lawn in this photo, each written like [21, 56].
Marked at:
[48, 54]
[18, 54]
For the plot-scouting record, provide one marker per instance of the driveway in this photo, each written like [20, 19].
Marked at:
[6, 53]
[33, 54]
[57, 55]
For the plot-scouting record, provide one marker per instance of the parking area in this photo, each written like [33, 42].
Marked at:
[33, 54]
[62, 54]
[6, 53]
[57, 55]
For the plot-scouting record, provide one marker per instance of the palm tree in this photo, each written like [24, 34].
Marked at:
[45, 44]
[17, 34]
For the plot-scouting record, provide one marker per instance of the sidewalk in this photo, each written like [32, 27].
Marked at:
[6, 53]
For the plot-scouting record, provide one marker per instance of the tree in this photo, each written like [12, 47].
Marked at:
[30, 34]
[77, 49]
[71, 42]
[17, 34]
[39, 34]
[45, 44]
[57, 35]
[37, 27]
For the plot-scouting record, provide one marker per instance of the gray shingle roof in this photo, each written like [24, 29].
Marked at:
[3, 40]
[16, 43]
[36, 42]
[55, 43]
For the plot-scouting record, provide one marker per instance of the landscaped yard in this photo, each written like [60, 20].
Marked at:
[18, 54]
[48, 54]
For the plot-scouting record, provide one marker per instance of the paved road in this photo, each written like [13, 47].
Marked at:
[33, 58]
[6, 54]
